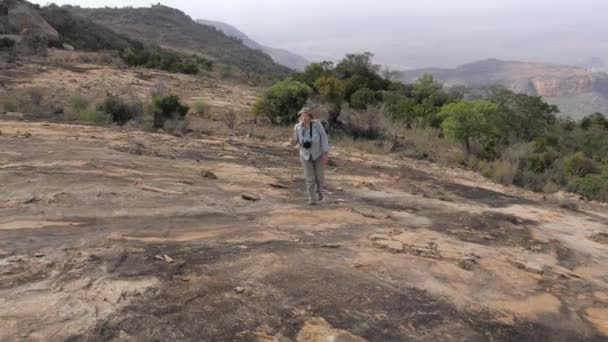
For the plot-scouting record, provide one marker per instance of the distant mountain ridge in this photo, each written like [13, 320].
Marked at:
[576, 90]
[280, 56]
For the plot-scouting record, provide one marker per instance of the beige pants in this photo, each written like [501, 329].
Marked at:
[313, 172]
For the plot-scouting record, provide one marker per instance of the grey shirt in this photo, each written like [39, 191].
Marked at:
[319, 141]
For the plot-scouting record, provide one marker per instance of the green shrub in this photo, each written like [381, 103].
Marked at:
[363, 98]
[120, 111]
[281, 102]
[16, 102]
[594, 187]
[167, 108]
[81, 109]
[188, 67]
[577, 165]
[29, 101]
[6, 43]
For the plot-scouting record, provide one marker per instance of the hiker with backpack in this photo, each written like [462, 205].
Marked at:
[310, 136]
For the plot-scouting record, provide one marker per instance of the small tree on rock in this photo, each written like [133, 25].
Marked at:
[467, 121]
[281, 102]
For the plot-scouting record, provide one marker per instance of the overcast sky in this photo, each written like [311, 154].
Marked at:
[415, 33]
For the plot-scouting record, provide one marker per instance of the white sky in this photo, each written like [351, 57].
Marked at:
[411, 32]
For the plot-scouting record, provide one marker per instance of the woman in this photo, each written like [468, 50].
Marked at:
[310, 135]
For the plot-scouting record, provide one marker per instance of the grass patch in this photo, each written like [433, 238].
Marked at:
[199, 108]
[81, 108]
[364, 145]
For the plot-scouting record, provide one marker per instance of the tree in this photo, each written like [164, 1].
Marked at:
[281, 102]
[595, 119]
[426, 87]
[315, 71]
[332, 90]
[467, 121]
[356, 64]
[520, 117]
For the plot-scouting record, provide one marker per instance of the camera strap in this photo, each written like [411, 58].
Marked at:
[311, 132]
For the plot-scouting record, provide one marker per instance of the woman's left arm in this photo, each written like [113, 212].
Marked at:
[324, 143]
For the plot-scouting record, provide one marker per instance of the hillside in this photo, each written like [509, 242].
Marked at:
[280, 56]
[577, 91]
[172, 28]
[83, 34]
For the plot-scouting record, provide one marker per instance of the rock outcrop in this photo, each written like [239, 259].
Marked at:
[18, 17]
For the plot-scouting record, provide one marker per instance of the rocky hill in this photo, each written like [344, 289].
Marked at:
[17, 16]
[172, 28]
[280, 56]
[577, 91]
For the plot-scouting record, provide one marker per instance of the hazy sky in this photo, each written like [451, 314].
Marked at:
[412, 33]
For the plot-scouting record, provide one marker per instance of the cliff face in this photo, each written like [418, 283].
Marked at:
[564, 87]
[18, 16]
[577, 91]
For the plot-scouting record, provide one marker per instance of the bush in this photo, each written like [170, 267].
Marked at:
[363, 98]
[200, 108]
[33, 43]
[281, 102]
[16, 102]
[577, 165]
[567, 203]
[503, 171]
[167, 108]
[594, 187]
[6, 43]
[81, 109]
[119, 111]
[29, 101]
[175, 126]
[367, 124]
[428, 144]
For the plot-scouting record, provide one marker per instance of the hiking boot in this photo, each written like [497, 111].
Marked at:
[311, 202]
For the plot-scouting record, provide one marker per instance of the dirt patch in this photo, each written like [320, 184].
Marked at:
[599, 318]
[36, 224]
[318, 330]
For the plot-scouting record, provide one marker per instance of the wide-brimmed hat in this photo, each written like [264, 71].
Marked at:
[305, 110]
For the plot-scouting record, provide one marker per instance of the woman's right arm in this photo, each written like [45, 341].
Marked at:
[294, 137]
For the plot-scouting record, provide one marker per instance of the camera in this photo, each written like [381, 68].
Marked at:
[307, 144]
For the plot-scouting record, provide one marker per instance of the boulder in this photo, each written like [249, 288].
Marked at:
[17, 16]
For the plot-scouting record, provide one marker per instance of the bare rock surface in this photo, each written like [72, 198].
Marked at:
[102, 241]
